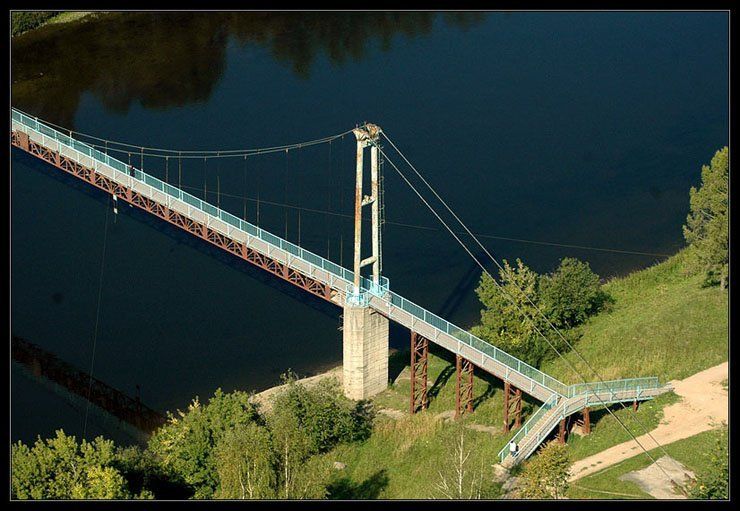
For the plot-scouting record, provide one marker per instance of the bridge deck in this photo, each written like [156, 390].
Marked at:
[287, 260]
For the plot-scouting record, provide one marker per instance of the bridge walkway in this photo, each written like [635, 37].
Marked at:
[303, 268]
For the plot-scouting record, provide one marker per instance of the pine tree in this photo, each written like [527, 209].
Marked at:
[707, 225]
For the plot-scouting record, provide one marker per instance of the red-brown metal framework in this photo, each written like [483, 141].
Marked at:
[586, 428]
[87, 174]
[512, 400]
[464, 387]
[419, 372]
[563, 430]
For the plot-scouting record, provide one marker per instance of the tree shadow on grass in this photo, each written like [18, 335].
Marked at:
[370, 488]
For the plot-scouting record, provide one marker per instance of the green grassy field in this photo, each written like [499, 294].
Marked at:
[403, 459]
[662, 323]
[67, 16]
[607, 485]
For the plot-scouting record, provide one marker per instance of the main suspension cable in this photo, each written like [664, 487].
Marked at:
[224, 153]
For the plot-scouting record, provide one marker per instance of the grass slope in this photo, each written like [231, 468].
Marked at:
[663, 323]
[691, 452]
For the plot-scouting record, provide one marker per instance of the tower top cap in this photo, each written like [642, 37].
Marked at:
[367, 132]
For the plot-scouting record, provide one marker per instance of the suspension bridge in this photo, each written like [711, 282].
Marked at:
[367, 301]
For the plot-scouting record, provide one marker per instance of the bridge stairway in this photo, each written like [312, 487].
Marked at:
[536, 430]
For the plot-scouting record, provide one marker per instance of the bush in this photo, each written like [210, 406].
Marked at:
[185, 446]
[322, 411]
[246, 464]
[715, 484]
[21, 21]
[60, 468]
[546, 475]
[571, 293]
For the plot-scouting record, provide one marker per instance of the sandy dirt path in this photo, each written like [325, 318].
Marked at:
[704, 405]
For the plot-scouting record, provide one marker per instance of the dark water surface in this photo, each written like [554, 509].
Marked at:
[575, 128]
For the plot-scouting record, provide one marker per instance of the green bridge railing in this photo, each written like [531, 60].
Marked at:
[344, 275]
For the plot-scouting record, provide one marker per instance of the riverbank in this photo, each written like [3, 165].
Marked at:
[264, 398]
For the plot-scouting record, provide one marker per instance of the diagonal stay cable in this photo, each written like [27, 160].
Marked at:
[570, 364]
[553, 327]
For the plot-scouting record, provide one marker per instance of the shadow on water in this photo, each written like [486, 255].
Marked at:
[370, 488]
[464, 286]
[165, 60]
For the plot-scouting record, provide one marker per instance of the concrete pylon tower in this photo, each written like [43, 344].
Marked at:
[365, 342]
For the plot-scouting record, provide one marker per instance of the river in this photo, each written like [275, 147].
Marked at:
[583, 129]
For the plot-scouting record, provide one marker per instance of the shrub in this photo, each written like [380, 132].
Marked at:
[571, 293]
[21, 21]
[185, 445]
[60, 468]
[546, 475]
[715, 483]
[324, 413]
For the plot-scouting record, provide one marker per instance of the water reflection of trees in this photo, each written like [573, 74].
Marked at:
[173, 59]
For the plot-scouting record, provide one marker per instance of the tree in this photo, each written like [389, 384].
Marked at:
[546, 475]
[246, 464]
[147, 478]
[571, 293]
[293, 446]
[185, 446]
[707, 225]
[509, 319]
[457, 480]
[715, 483]
[307, 421]
[60, 468]
[324, 413]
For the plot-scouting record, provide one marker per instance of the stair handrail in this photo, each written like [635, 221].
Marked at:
[529, 425]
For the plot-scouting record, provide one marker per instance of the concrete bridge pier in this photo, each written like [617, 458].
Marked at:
[365, 352]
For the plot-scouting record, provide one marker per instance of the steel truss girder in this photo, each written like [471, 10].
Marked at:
[464, 386]
[419, 372]
[190, 225]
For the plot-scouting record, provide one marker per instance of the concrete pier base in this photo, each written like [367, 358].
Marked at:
[365, 361]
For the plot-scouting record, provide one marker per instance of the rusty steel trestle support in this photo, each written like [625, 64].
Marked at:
[21, 140]
[512, 400]
[464, 387]
[563, 430]
[419, 372]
